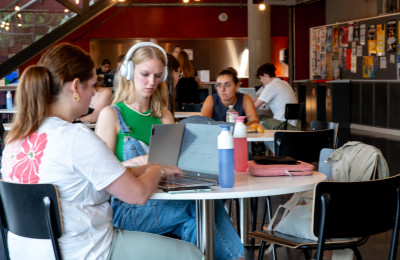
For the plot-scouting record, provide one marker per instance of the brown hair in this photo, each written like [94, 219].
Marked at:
[186, 66]
[41, 85]
[173, 65]
[125, 89]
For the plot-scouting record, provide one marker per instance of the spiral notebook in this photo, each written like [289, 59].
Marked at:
[192, 147]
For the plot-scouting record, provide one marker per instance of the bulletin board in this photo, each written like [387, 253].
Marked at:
[359, 49]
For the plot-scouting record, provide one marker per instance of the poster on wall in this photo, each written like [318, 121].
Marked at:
[353, 63]
[398, 43]
[329, 39]
[380, 39]
[322, 66]
[329, 70]
[348, 59]
[391, 36]
[322, 39]
[356, 34]
[350, 32]
[362, 34]
[343, 36]
[382, 63]
[335, 39]
[371, 40]
[398, 71]
[368, 67]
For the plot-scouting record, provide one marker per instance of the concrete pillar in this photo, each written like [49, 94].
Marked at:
[259, 39]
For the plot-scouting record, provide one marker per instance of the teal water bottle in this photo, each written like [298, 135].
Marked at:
[225, 158]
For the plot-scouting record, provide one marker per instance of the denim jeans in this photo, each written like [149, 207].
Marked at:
[178, 217]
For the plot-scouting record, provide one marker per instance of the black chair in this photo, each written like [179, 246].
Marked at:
[30, 210]
[321, 125]
[191, 107]
[341, 210]
[295, 112]
[303, 145]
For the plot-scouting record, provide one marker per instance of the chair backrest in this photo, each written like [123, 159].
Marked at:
[295, 111]
[30, 210]
[357, 209]
[323, 165]
[191, 107]
[321, 125]
[302, 145]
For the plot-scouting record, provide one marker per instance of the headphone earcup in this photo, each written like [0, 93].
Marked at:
[165, 75]
[129, 70]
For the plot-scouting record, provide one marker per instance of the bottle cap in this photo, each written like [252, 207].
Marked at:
[240, 119]
[230, 106]
[225, 127]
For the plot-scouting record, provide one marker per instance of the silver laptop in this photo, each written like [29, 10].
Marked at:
[249, 91]
[192, 147]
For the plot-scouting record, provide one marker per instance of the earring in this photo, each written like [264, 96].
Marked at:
[77, 97]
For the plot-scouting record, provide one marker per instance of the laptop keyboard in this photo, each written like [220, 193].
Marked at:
[185, 181]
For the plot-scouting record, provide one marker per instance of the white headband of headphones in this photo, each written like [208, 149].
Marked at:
[127, 67]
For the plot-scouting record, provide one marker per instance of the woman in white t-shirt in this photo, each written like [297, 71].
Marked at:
[45, 147]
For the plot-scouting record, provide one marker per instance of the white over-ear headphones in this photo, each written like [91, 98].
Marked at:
[127, 67]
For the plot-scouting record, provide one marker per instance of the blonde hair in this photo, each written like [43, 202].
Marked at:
[186, 66]
[125, 89]
[42, 84]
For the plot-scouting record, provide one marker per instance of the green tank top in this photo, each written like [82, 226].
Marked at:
[139, 124]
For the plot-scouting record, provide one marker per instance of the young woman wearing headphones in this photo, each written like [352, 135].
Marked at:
[142, 100]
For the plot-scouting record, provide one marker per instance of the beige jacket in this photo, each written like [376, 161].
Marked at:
[356, 161]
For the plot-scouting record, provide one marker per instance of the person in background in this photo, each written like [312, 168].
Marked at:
[187, 90]
[177, 49]
[120, 60]
[216, 105]
[174, 74]
[45, 147]
[104, 68]
[142, 100]
[276, 94]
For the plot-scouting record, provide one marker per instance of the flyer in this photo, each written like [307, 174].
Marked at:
[398, 70]
[380, 39]
[353, 63]
[329, 39]
[322, 39]
[368, 67]
[371, 40]
[335, 39]
[348, 59]
[356, 34]
[343, 36]
[382, 62]
[359, 51]
[391, 36]
[362, 34]
[350, 31]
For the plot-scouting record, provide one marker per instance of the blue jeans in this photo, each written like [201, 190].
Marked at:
[178, 217]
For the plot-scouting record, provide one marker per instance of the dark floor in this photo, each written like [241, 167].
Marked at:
[377, 247]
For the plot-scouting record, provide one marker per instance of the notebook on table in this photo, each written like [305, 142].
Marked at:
[192, 147]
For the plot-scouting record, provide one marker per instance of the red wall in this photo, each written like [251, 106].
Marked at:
[201, 22]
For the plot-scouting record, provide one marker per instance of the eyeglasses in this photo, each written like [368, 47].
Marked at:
[226, 84]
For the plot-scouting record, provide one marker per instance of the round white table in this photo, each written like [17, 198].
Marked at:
[246, 186]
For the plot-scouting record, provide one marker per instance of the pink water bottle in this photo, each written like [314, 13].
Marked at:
[240, 145]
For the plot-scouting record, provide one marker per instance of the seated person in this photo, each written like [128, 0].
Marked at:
[102, 98]
[45, 147]
[187, 90]
[216, 105]
[276, 94]
[142, 101]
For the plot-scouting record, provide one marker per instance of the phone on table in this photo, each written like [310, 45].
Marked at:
[174, 190]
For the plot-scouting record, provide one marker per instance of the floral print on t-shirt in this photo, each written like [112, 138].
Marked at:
[27, 158]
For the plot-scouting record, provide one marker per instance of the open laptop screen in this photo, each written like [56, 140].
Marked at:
[199, 149]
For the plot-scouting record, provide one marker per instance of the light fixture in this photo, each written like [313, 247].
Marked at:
[77, 2]
[17, 8]
[19, 16]
[66, 10]
[185, 1]
[19, 25]
[261, 7]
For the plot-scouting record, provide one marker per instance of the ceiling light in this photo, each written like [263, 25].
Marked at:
[17, 8]
[77, 2]
[185, 1]
[66, 10]
[19, 25]
[261, 7]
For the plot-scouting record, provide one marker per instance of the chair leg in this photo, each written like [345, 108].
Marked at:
[237, 215]
[266, 210]
[357, 253]
[307, 253]
[261, 251]
[254, 209]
